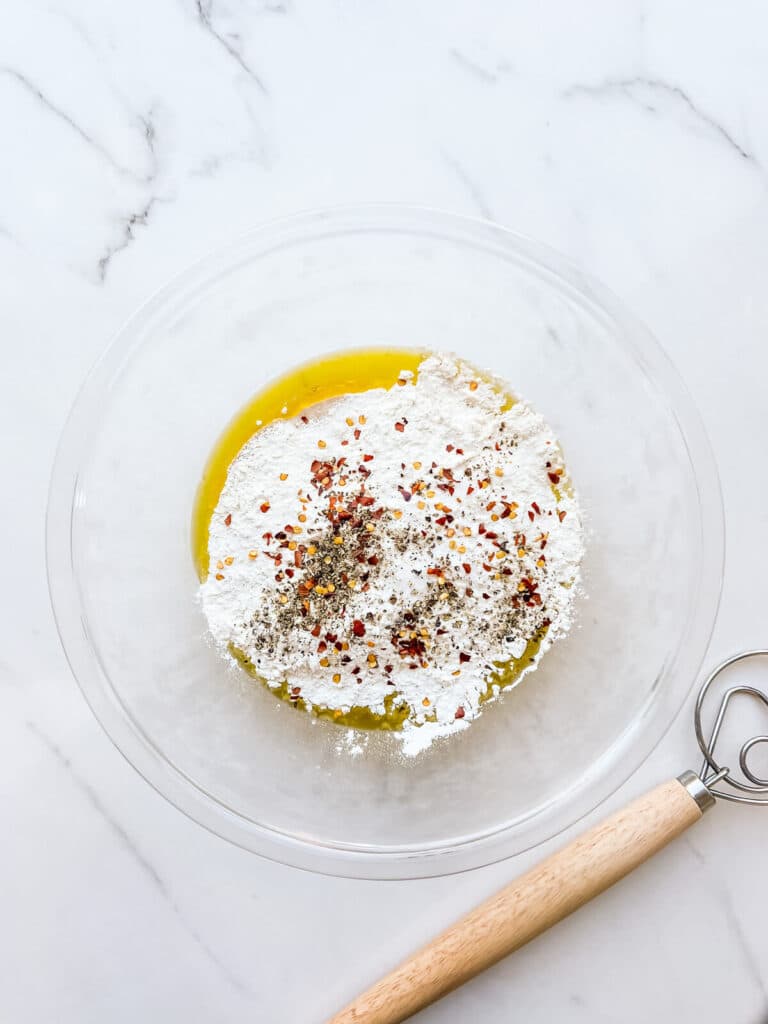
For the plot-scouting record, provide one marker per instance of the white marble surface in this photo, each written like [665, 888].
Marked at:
[138, 136]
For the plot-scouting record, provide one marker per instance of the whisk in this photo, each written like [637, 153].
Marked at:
[569, 878]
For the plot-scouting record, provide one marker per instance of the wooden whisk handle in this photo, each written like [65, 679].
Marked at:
[534, 902]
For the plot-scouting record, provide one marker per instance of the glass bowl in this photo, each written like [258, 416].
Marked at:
[219, 745]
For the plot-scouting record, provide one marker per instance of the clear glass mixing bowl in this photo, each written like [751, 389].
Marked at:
[220, 746]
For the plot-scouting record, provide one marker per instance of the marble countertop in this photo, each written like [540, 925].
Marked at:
[137, 137]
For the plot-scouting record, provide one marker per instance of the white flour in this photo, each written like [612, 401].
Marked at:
[390, 549]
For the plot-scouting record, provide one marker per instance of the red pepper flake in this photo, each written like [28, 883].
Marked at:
[481, 528]
[373, 560]
[449, 447]
[358, 628]
[459, 712]
[535, 507]
[561, 514]
[228, 520]
[264, 506]
[459, 451]
[304, 419]
[406, 495]
[399, 427]
[486, 597]
[463, 658]
[466, 567]
[469, 591]
[315, 631]
[486, 567]
[490, 535]
[357, 434]
[554, 477]
[366, 458]
[490, 506]
[497, 446]
[470, 489]
[530, 515]
[322, 647]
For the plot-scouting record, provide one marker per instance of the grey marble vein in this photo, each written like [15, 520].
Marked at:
[473, 68]
[147, 127]
[212, 164]
[715, 883]
[554, 336]
[475, 192]
[630, 87]
[77, 26]
[62, 115]
[7, 234]
[136, 219]
[147, 122]
[128, 844]
[205, 16]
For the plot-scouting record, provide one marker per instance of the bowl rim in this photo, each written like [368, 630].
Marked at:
[634, 745]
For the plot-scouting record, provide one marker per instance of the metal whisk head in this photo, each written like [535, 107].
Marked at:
[713, 773]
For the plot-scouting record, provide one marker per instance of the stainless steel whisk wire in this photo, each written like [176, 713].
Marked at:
[712, 773]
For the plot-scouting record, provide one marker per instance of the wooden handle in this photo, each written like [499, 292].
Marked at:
[528, 906]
